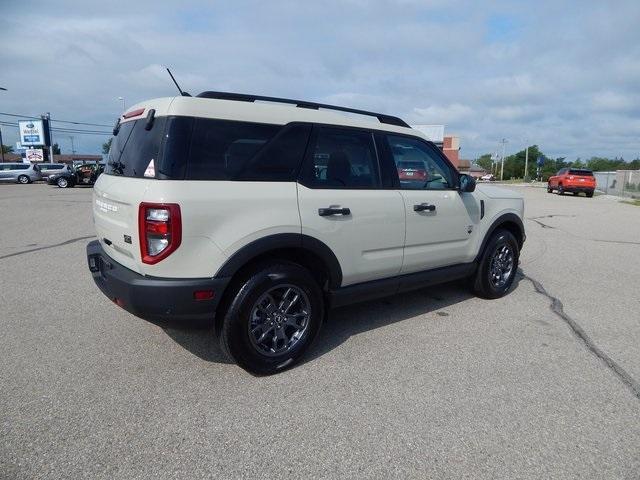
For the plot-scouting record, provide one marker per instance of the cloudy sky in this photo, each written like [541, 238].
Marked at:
[561, 74]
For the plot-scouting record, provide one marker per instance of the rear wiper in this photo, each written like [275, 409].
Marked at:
[117, 167]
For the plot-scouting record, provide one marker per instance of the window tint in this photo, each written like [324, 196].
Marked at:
[21, 166]
[581, 173]
[418, 166]
[341, 158]
[280, 158]
[220, 149]
[134, 147]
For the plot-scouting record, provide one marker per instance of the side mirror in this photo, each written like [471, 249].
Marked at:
[467, 183]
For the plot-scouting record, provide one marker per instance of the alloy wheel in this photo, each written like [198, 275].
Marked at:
[501, 266]
[279, 319]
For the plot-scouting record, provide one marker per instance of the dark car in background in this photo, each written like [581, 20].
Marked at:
[85, 174]
[48, 169]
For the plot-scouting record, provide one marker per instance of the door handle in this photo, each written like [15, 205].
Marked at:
[424, 206]
[326, 212]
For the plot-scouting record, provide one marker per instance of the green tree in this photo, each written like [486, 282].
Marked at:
[7, 149]
[485, 162]
[578, 163]
[56, 149]
[106, 146]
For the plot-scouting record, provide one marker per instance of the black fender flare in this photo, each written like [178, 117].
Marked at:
[282, 241]
[501, 220]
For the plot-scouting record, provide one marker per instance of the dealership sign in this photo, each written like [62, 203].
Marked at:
[34, 155]
[31, 132]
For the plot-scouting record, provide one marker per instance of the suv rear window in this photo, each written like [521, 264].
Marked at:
[581, 173]
[133, 148]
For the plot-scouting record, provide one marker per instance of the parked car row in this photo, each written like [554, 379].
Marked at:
[59, 174]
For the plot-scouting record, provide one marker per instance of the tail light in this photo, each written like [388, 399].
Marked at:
[160, 229]
[570, 177]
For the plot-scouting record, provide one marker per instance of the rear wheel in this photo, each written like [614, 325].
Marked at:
[276, 313]
[23, 179]
[62, 182]
[560, 190]
[576, 193]
[590, 194]
[498, 265]
[549, 189]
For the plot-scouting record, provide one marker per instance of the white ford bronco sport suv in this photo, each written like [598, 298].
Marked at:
[261, 214]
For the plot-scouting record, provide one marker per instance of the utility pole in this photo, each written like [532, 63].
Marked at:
[504, 143]
[50, 138]
[526, 163]
[1, 145]
[73, 148]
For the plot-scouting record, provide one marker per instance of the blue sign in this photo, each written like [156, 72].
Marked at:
[540, 161]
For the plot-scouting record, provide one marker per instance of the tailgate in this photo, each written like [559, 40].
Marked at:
[115, 213]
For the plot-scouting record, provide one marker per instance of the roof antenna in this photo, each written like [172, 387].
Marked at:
[184, 94]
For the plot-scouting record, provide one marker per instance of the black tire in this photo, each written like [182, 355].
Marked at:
[549, 189]
[576, 193]
[62, 182]
[24, 179]
[483, 282]
[560, 190]
[589, 194]
[236, 337]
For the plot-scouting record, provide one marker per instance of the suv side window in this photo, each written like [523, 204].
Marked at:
[220, 148]
[418, 166]
[280, 159]
[341, 158]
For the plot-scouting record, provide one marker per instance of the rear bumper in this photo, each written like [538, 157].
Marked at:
[579, 188]
[153, 298]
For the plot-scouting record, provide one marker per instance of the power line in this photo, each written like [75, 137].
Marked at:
[55, 120]
[63, 130]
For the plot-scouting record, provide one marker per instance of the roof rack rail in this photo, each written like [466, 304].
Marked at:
[241, 97]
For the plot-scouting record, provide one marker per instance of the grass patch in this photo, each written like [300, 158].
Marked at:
[631, 202]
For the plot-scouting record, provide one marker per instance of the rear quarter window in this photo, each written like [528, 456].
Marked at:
[220, 149]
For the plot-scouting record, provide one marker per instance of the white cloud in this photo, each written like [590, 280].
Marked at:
[554, 80]
[447, 114]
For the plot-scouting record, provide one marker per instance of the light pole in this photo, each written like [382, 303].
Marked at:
[123, 104]
[504, 143]
[73, 148]
[526, 163]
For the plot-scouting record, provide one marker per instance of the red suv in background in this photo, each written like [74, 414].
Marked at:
[572, 180]
[412, 171]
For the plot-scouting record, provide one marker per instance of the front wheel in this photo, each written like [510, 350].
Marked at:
[273, 318]
[549, 189]
[560, 190]
[498, 265]
[23, 179]
[62, 182]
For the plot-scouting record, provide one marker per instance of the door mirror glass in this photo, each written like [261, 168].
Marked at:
[467, 183]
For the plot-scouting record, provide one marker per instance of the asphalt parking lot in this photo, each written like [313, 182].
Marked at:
[544, 383]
